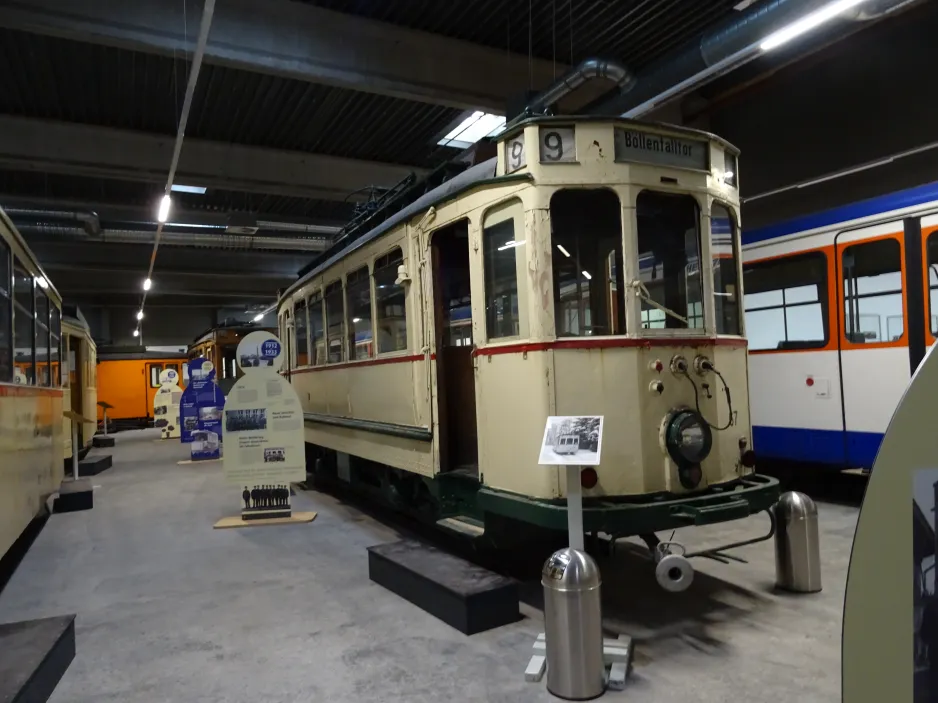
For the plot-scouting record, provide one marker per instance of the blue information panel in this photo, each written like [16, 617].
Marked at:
[200, 411]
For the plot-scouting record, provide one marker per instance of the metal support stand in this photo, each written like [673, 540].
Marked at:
[105, 421]
[575, 509]
[74, 450]
[617, 657]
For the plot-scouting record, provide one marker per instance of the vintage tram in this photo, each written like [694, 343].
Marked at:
[591, 267]
[79, 379]
[220, 346]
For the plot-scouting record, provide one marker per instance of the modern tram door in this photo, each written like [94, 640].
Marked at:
[455, 375]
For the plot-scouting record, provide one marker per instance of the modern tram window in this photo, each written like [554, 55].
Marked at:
[586, 251]
[873, 306]
[42, 338]
[931, 260]
[302, 342]
[23, 335]
[786, 302]
[669, 260]
[725, 256]
[6, 315]
[503, 252]
[55, 345]
[358, 296]
[390, 308]
[335, 324]
[317, 337]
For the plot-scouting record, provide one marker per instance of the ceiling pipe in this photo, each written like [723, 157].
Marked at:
[184, 239]
[89, 219]
[720, 50]
[586, 70]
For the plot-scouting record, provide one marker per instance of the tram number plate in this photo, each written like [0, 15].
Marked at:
[557, 145]
[514, 154]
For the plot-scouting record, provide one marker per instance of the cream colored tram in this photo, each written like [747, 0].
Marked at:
[586, 258]
[80, 372]
[31, 461]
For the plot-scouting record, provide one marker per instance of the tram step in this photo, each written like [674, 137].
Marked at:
[467, 526]
[463, 595]
[35, 655]
[93, 465]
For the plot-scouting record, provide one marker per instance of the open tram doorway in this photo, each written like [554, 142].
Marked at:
[455, 375]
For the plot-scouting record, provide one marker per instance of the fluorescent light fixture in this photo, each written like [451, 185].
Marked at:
[147, 284]
[43, 283]
[163, 214]
[258, 318]
[478, 125]
[139, 314]
[198, 190]
[510, 245]
[564, 251]
[740, 6]
[136, 333]
[586, 274]
[356, 319]
[806, 24]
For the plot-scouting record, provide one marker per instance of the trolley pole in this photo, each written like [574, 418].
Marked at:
[575, 509]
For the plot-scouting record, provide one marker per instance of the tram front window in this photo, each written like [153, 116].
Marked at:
[586, 251]
[669, 261]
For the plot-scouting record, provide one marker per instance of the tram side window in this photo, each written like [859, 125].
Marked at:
[335, 323]
[55, 346]
[42, 338]
[390, 304]
[6, 315]
[669, 260]
[500, 249]
[873, 292]
[317, 337]
[155, 371]
[785, 300]
[931, 260]
[586, 251]
[23, 335]
[725, 256]
[302, 343]
[358, 292]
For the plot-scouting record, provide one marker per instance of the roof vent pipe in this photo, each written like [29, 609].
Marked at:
[88, 218]
[727, 46]
[586, 70]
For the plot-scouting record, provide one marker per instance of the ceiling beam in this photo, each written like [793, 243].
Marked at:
[299, 41]
[81, 150]
[271, 278]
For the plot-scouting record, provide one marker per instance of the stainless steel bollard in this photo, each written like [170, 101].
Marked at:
[573, 625]
[797, 546]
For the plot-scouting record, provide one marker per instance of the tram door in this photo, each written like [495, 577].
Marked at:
[456, 398]
[76, 382]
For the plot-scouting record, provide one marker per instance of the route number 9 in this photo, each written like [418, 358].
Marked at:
[557, 145]
[514, 154]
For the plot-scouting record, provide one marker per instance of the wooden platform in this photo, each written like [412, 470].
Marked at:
[236, 521]
[35, 655]
[461, 594]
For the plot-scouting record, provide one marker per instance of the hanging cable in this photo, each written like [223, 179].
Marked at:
[726, 390]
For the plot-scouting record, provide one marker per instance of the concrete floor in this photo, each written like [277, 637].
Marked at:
[169, 609]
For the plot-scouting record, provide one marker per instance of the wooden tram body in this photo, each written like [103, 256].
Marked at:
[576, 273]
[80, 379]
[220, 345]
[31, 394]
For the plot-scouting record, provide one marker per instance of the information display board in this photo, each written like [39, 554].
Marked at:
[166, 405]
[200, 411]
[265, 449]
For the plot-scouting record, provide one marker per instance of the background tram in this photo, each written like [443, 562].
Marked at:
[31, 395]
[220, 345]
[128, 379]
[80, 372]
[840, 307]
[562, 277]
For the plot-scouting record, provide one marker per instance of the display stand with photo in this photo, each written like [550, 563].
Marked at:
[166, 404]
[264, 437]
[200, 412]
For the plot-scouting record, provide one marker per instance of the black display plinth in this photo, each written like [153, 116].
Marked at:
[93, 465]
[74, 496]
[36, 654]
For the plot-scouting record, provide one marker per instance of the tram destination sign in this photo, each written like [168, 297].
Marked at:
[632, 145]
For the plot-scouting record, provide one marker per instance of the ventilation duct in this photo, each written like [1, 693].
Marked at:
[586, 70]
[88, 219]
[729, 45]
[183, 239]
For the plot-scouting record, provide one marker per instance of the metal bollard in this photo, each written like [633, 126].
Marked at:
[797, 546]
[573, 625]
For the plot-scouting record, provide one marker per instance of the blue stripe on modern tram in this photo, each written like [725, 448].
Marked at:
[817, 446]
[864, 208]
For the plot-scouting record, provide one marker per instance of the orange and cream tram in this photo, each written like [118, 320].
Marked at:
[578, 272]
[79, 378]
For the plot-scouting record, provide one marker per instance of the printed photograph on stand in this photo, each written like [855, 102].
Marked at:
[246, 420]
[574, 440]
[924, 596]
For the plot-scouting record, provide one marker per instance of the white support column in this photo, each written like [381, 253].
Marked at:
[575, 508]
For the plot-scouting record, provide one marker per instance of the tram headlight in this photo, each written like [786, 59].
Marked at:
[688, 438]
